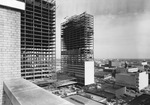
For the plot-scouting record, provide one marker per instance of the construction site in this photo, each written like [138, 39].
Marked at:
[38, 40]
[77, 44]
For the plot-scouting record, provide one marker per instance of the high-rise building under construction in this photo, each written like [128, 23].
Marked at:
[77, 47]
[38, 40]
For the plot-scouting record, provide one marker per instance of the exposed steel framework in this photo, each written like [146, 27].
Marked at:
[77, 44]
[38, 40]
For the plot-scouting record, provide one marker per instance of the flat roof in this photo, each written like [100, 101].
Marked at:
[43, 81]
[131, 73]
[101, 73]
[80, 100]
[102, 94]
[96, 97]
[65, 83]
[23, 92]
[113, 86]
[128, 73]
[143, 99]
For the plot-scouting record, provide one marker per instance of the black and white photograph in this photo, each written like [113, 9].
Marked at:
[74, 52]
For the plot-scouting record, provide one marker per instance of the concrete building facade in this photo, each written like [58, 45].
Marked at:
[10, 51]
[77, 45]
[27, 40]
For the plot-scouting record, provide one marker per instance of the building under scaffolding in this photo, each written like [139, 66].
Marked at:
[38, 40]
[77, 46]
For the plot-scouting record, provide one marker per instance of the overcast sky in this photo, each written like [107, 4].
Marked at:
[121, 27]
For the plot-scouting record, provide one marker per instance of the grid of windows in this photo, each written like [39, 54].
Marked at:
[38, 40]
[77, 44]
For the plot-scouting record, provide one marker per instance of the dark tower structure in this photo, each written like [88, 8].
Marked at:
[38, 40]
[110, 63]
[77, 44]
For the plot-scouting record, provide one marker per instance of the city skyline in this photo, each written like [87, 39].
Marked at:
[30, 74]
[121, 28]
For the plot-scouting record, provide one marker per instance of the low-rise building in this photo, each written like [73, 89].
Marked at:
[103, 75]
[109, 69]
[143, 99]
[138, 80]
[114, 89]
[116, 63]
[133, 69]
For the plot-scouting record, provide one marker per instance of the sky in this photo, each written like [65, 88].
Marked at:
[121, 27]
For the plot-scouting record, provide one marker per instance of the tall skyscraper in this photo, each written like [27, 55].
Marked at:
[38, 40]
[77, 47]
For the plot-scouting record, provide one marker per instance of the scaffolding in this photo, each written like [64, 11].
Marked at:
[77, 44]
[38, 40]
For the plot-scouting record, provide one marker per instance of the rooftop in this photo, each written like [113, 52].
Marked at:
[80, 100]
[144, 99]
[65, 83]
[101, 73]
[130, 73]
[23, 92]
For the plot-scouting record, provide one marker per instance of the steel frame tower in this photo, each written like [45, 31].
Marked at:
[77, 44]
[38, 40]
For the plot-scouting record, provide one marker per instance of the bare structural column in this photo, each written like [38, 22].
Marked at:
[10, 18]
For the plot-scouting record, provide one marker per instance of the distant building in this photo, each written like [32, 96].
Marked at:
[121, 70]
[107, 69]
[144, 63]
[125, 64]
[133, 69]
[103, 75]
[114, 89]
[137, 80]
[110, 63]
[116, 63]
[77, 47]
